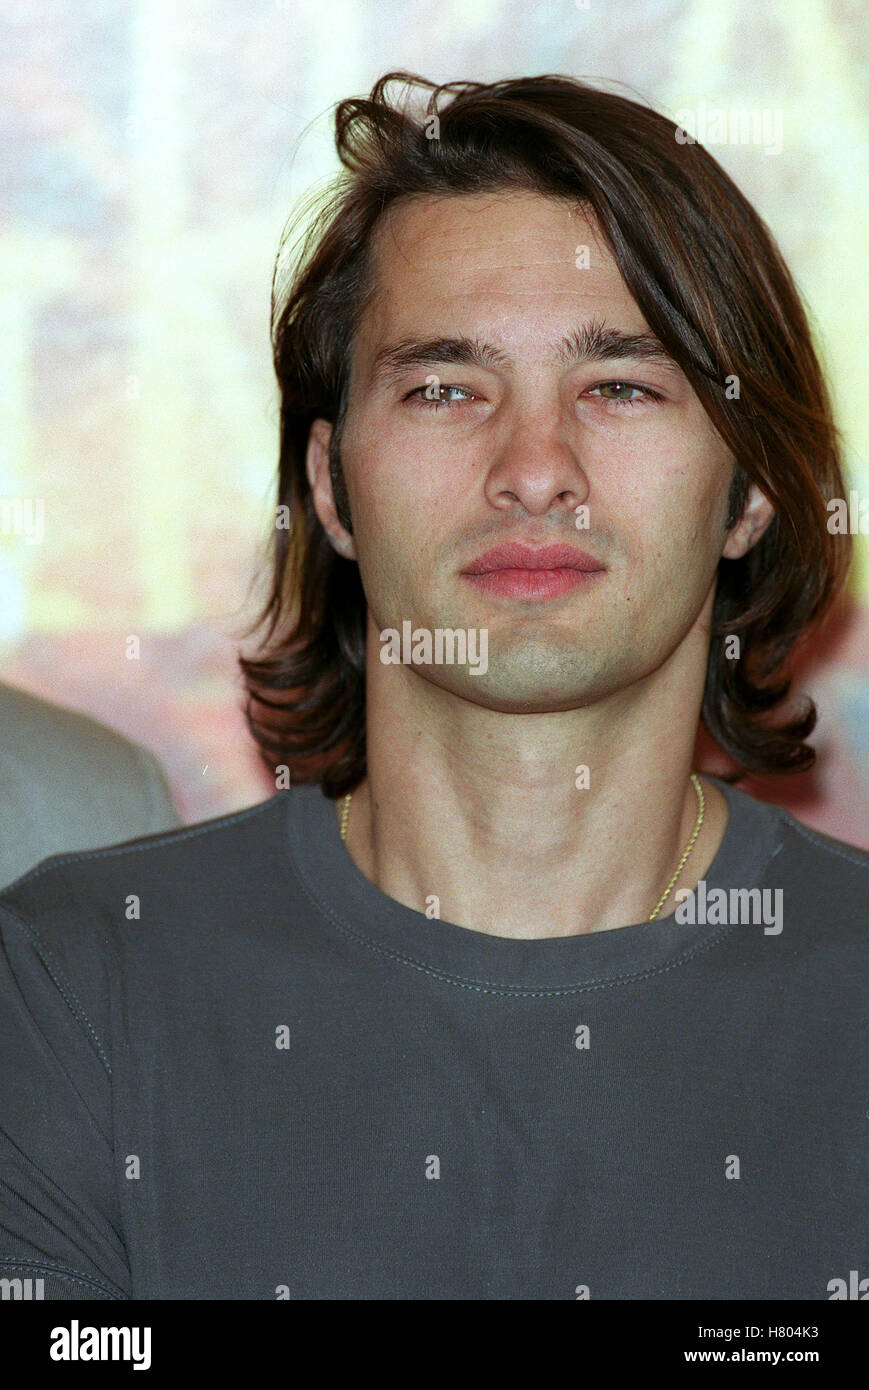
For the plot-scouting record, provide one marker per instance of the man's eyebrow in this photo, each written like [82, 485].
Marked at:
[396, 358]
[593, 342]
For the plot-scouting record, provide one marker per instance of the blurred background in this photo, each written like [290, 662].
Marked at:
[151, 156]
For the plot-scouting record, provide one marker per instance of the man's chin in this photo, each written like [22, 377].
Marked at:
[516, 693]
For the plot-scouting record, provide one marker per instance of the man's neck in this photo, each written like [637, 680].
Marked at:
[476, 816]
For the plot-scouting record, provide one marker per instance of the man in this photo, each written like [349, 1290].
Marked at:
[70, 783]
[559, 1018]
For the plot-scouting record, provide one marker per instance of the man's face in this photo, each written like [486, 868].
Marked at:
[506, 449]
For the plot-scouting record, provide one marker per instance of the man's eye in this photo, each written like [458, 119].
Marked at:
[433, 395]
[614, 391]
[620, 388]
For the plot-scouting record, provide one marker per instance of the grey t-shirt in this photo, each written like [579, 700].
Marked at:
[233, 1068]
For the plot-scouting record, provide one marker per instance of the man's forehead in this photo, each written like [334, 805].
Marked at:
[418, 233]
[437, 260]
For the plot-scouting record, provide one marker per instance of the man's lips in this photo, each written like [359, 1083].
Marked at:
[522, 557]
[518, 571]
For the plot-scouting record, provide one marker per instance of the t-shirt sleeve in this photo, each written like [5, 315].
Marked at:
[60, 1215]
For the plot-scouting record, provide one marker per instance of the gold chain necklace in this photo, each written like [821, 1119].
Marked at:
[701, 800]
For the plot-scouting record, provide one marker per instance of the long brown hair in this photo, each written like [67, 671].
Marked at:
[706, 273]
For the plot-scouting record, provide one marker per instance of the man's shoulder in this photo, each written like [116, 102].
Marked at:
[174, 865]
[70, 783]
[823, 881]
[53, 740]
[78, 924]
[820, 851]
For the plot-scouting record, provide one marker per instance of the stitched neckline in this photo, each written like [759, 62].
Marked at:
[400, 935]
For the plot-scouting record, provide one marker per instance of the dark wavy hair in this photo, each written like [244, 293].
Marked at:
[712, 285]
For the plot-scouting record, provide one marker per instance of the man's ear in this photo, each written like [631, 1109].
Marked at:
[757, 514]
[320, 477]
